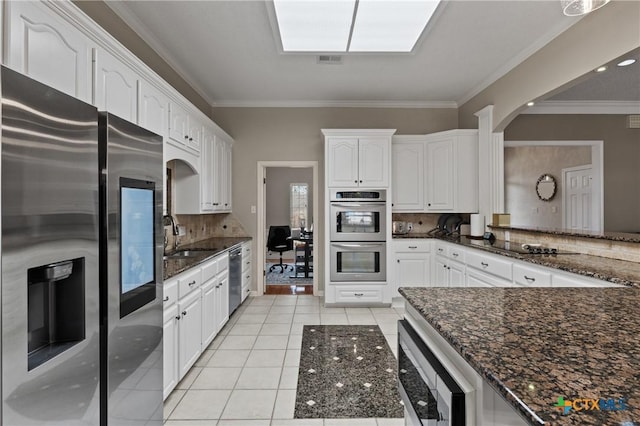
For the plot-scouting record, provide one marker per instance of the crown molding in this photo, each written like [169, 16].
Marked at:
[335, 104]
[120, 9]
[584, 107]
[519, 58]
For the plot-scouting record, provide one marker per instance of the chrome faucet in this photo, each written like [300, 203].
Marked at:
[167, 220]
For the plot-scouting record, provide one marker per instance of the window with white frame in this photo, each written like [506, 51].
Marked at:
[298, 195]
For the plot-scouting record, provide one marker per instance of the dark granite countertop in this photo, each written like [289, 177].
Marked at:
[533, 345]
[631, 237]
[213, 247]
[602, 268]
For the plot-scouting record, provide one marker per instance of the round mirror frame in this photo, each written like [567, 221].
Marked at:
[546, 187]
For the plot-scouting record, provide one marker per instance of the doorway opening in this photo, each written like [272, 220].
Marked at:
[287, 209]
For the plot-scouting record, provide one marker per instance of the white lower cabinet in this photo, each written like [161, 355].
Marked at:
[196, 307]
[475, 278]
[412, 263]
[448, 273]
[358, 294]
[170, 376]
[189, 332]
[246, 269]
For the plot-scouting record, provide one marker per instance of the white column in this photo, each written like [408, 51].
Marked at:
[491, 166]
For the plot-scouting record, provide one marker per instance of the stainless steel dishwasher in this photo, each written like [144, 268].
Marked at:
[235, 278]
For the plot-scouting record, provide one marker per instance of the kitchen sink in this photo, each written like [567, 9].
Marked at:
[182, 254]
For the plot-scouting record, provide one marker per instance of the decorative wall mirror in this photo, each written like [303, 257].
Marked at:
[546, 187]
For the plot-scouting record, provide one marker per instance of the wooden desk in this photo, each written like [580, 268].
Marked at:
[306, 258]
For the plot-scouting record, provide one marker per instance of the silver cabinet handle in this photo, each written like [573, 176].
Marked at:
[529, 279]
[455, 254]
[178, 317]
[413, 247]
[358, 294]
[192, 283]
[186, 136]
[398, 260]
[248, 263]
[166, 299]
[444, 266]
[440, 250]
[184, 313]
[484, 265]
[248, 276]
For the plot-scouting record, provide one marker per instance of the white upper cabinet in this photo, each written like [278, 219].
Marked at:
[178, 125]
[47, 48]
[439, 163]
[436, 172]
[357, 158]
[407, 173]
[115, 86]
[342, 162]
[153, 109]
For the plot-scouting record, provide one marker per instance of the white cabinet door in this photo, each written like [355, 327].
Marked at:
[342, 162]
[456, 274]
[412, 269]
[209, 329]
[219, 185]
[115, 86]
[441, 272]
[153, 109]
[189, 331]
[207, 175]
[475, 279]
[439, 169]
[194, 140]
[407, 176]
[170, 350]
[225, 178]
[373, 155]
[222, 301]
[47, 48]
[178, 125]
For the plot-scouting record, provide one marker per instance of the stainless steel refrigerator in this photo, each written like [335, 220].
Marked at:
[81, 256]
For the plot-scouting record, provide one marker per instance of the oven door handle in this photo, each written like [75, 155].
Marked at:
[357, 204]
[357, 245]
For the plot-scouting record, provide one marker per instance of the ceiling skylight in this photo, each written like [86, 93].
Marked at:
[352, 25]
[389, 26]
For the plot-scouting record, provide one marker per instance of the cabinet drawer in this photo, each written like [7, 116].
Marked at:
[479, 279]
[490, 264]
[441, 248]
[169, 313]
[209, 270]
[223, 262]
[170, 293]
[189, 282]
[354, 294]
[246, 265]
[455, 252]
[530, 277]
[411, 246]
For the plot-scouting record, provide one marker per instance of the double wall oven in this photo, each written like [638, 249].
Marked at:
[358, 235]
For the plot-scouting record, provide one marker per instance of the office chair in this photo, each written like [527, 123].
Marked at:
[279, 240]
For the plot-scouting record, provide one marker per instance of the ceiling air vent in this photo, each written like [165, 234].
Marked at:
[330, 59]
[633, 121]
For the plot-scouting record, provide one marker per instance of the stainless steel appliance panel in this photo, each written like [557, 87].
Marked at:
[49, 217]
[358, 221]
[133, 387]
[431, 396]
[358, 261]
[235, 278]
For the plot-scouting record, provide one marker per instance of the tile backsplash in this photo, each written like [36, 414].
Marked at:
[203, 226]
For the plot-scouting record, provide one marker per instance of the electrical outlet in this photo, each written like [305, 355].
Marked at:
[409, 226]
[253, 209]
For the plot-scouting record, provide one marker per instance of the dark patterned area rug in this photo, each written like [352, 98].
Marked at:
[287, 277]
[346, 371]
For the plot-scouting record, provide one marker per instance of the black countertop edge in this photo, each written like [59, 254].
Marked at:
[213, 246]
[628, 237]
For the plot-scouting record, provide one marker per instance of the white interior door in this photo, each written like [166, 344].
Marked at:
[581, 205]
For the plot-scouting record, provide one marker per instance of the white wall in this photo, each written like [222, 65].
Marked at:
[277, 193]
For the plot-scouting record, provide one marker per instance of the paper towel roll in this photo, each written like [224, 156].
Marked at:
[477, 225]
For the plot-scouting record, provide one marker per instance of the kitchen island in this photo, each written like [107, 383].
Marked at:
[534, 345]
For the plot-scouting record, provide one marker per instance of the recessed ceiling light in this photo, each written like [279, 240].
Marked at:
[531, 103]
[341, 26]
[601, 69]
[626, 62]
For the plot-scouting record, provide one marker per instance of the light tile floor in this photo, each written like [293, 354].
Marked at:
[249, 373]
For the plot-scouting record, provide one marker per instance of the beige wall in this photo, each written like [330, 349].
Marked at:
[277, 193]
[293, 134]
[621, 157]
[522, 168]
[107, 19]
[595, 40]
